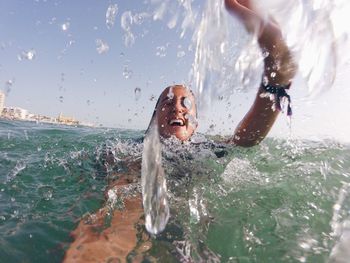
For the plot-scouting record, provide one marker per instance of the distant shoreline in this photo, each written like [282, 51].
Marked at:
[77, 125]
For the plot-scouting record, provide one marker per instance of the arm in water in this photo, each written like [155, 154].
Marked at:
[111, 234]
[279, 70]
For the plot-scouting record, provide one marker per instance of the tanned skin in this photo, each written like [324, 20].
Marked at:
[260, 118]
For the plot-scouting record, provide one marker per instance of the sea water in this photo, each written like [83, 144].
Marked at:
[281, 201]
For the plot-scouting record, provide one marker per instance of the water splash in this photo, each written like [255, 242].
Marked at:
[218, 58]
[126, 23]
[20, 165]
[111, 14]
[176, 13]
[101, 46]
[27, 55]
[229, 60]
[310, 30]
[341, 228]
[154, 189]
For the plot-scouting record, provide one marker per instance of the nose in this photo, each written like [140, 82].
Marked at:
[178, 107]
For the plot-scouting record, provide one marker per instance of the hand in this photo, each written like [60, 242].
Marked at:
[233, 5]
[244, 9]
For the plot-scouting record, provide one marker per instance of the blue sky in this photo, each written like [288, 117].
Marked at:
[68, 75]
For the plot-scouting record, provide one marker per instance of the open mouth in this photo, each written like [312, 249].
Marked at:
[177, 122]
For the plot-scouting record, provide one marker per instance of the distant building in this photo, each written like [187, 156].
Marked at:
[2, 102]
[14, 113]
[67, 120]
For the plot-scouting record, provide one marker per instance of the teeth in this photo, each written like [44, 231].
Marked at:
[177, 122]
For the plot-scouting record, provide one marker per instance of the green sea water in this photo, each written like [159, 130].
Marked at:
[281, 201]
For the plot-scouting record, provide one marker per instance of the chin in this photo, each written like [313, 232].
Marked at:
[180, 134]
[184, 135]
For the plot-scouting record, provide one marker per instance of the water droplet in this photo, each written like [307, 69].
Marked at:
[273, 74]
[111, 14]
[137, 93]
[265, 54]
[173, 21]
[140, 18]
[26, 135]
[192, 120]
[65, 26]
[126, 22]
[129, 39]
[8, 86]
[159, 13]
[187, 103]
[28, 55]
[101, 47]
[127, 73]
[161, 51]
[170, 94]
[46, 192]
[223, 47]
[61, 98]
[265, 81]
[181, 54]
[152, 98]
[52, 21]
[129, 120]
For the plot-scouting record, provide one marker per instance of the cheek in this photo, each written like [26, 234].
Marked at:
[161, 116]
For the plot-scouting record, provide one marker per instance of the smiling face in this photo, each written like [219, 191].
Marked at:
[176, 113]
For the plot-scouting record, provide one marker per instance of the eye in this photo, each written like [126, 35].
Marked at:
[186, 102]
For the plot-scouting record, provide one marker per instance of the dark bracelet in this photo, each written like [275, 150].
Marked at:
[279, 92]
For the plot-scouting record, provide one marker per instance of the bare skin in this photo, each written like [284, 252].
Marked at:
[175, 113]
[92, 243]
[260, 118]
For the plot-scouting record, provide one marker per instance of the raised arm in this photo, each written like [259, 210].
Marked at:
[279, 70]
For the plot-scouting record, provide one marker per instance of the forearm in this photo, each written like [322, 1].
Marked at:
[279, 66]
[256, 124]
[279, 70]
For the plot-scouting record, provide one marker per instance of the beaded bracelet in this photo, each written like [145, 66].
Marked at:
[279, 92]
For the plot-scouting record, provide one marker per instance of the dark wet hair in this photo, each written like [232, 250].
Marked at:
[153, 115]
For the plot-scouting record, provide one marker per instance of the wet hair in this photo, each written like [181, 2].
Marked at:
[155, 108]
[153, 115]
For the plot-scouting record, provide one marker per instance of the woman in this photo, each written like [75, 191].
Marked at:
[175, 114]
